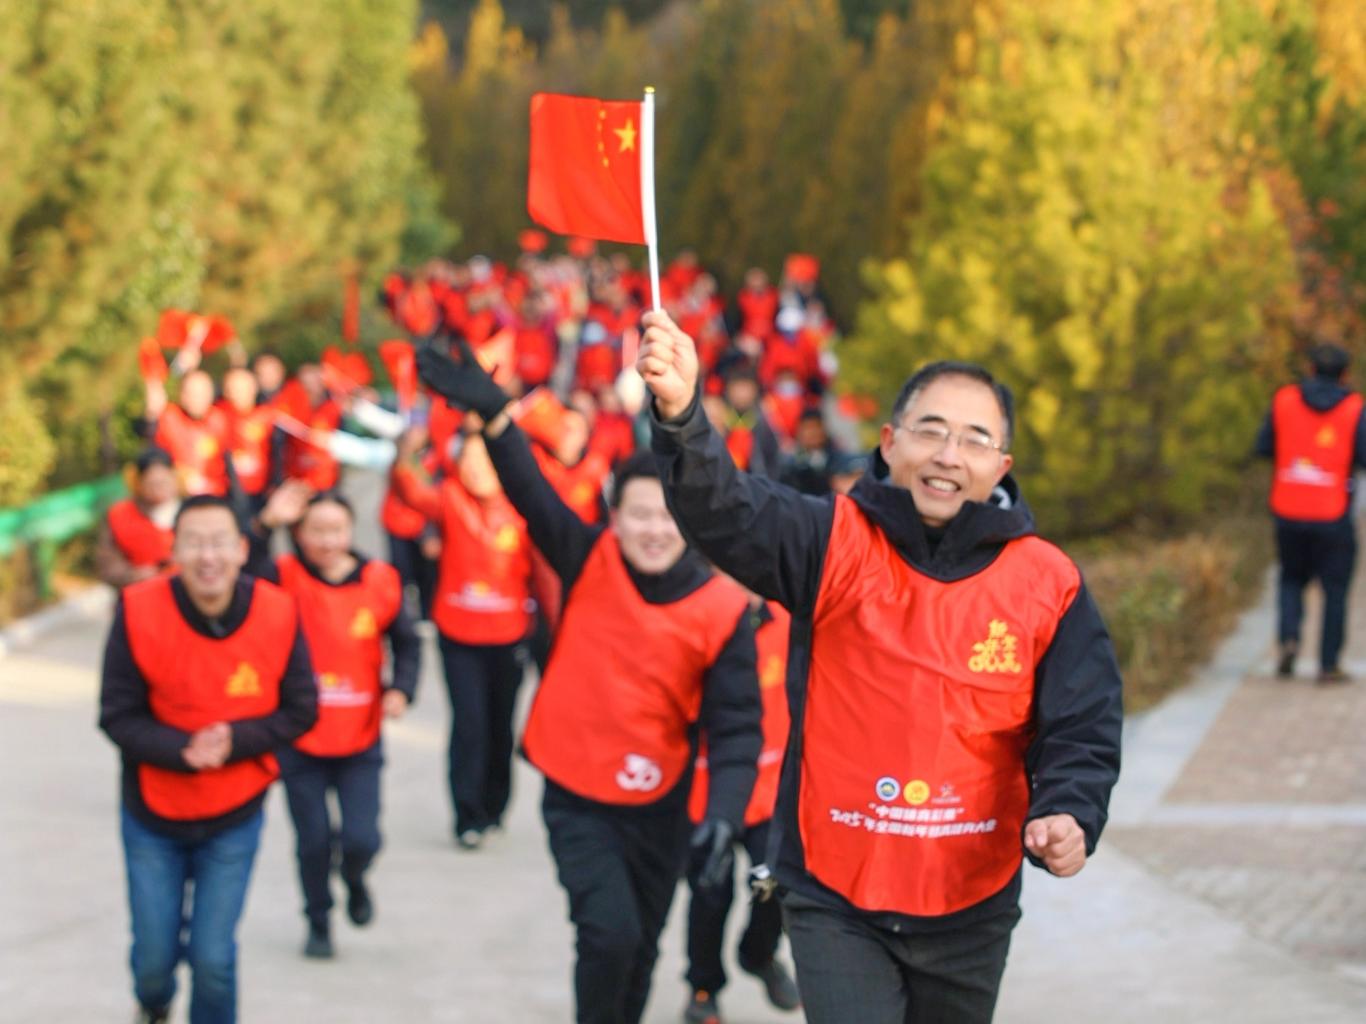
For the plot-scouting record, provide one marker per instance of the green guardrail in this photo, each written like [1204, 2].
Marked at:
[44, 524]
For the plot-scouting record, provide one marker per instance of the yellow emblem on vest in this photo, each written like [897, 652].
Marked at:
[997, 652]
[771, 674]
[364, 626]
[1327, 437]
[506, 538]
[245, 682]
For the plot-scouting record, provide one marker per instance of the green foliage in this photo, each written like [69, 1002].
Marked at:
[1079, 240]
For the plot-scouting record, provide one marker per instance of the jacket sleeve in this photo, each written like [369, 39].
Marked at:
[730, 719]
[764, 534]
[405, 646]
[555, 529]
[1359, 451]
[415, 488]
[1073, 762]
[125, 714]
[295, 715]
[1265, 445]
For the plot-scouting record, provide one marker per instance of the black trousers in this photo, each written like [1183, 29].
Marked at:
[850, 970]
[482, 682]
[1309, 551]
[620, 871]
[356, 782]
[707, 912]
[415, 570]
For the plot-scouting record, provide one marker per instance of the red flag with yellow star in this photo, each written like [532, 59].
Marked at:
[585, 170]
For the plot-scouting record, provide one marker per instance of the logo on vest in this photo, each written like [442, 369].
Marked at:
[772, 672]
[364, 626]
[1327, 437]
[640, 774]
[888, 788]
[997, 652]
[917, 792]
[506, 539]
[244, 682]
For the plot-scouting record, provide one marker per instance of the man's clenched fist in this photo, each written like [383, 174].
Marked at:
[1059, 842]
[668, 362]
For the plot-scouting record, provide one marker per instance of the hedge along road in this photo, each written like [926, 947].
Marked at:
[474, 937]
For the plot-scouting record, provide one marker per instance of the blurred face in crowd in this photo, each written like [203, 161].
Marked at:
[573, 437]
[947, 447]
[756, 280]
[210, 550]
[649, 537]
[157, 485]
[742, 393]
[477, 474]
[196, 394]
[324, 535]
[270, 373]
[310, 377]
[811, 433]
[239, 388]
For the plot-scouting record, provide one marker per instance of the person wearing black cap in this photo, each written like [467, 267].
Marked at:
[955, 698]
[1316, 436]
[651, 648]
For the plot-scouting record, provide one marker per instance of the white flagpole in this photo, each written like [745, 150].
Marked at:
[647, 189]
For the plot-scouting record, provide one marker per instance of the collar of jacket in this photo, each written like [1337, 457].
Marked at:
[674, 583]
[972, 539]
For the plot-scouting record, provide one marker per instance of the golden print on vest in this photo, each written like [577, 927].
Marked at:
[1327, 437]
[997, 652]
[245, 682]
[364, 626]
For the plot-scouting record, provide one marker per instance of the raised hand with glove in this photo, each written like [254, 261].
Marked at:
[464, 384]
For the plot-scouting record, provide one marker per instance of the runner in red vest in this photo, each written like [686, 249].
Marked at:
[349, 606]
[206, 673]
[482, 613]
[135, 539]
[650, 648]
[193, 431]
[314, 416]
[708, 908]
[1316, 435]
[414, 541]
[955, 698]
[255, 446]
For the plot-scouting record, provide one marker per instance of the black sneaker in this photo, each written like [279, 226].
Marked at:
[779, 985]
[702, 1009]
[359, 907]
[1333, 676]
[1285, 665]
[146, 1016]
[319, 944]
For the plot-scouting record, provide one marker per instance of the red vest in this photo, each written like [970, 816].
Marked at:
[483, 588]
[306, 461]
[1314, 453]
[400, 518]
[579, 486]
[249, 437]
[196, 447]
[624, 684]
[770, 643]
[142, 541]
[194, 681]
[919, 709]
[345, 626]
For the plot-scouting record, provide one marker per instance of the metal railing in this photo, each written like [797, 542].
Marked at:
[44, 525]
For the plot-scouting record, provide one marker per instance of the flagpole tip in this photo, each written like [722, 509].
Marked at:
[649, 90]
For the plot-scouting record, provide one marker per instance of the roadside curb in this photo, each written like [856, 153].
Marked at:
[90, 604]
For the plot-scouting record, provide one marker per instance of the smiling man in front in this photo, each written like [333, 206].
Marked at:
[954, 694]
[205, 673]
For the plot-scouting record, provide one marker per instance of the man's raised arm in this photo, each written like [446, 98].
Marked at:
[768, 536]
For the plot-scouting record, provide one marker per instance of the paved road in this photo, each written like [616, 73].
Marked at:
[1232, 885]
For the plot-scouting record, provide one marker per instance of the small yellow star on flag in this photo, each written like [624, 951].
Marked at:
[627, 136]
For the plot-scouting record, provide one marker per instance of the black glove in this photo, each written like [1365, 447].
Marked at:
[465, 384]
[711, 854]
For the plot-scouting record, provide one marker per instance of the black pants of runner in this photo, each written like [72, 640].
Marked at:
[415, 570]
[707, 912]
[620, 869]
[482, 682]
[1309, 551]
[352, 846]
[850, 970]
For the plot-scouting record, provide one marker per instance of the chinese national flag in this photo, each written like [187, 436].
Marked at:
[584, 175]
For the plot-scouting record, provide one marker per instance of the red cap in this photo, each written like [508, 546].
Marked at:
[801, 268]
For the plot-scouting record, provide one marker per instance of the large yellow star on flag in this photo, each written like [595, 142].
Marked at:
[627, 136]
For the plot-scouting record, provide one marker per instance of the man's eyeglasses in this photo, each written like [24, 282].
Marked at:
[935, 436]
[209, 546]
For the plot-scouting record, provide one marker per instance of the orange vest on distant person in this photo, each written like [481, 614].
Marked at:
[1314, 452]
[623, 688]
[770, 646]
[345, 627]
[194, 680]
[483, 587]
[919, 710]
[142, 541]
[196, 447]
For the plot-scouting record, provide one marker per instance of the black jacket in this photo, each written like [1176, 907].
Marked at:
[731, 708]
[774, 540]
[126, 716]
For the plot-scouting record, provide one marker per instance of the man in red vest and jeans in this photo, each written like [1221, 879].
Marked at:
[955, 700]
[1316, 436]
[206, 673]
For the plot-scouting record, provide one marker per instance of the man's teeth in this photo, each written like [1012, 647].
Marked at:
[948, 486]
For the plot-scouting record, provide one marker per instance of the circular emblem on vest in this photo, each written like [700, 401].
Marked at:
[639, 773]
[888, 788]
[917, 791]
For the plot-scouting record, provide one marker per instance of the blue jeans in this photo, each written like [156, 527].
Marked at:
[160, 869]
